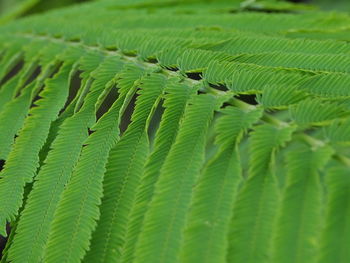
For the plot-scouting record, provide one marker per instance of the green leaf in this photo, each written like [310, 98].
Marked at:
[299, 217]
[77, 210]
[335, 235]
[125, 165]
[175, 101]
[256, 205]
[205, 238]
[53, 176]
[160, 240]
[32, 136]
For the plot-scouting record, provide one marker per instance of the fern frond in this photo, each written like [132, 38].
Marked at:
[32, 136]
[50, 181]
[16, 110]
[328, 85]
[14, 114]
[77, 211]
[8, 91]
[317, 112]
[255, 209]
[11, 57]
[298, 223]
[125, 165]
[252, 43]
[205, 238]
[319, 62]
[165, 131]
[175, 101]
[280, 97]
[336, 232]
[160, 239]
[339, 131]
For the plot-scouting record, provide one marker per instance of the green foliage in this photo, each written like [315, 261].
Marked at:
[11, 9]
[162, 131]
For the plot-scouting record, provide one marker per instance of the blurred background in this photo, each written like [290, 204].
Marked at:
[10, 9]
[341, 5]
